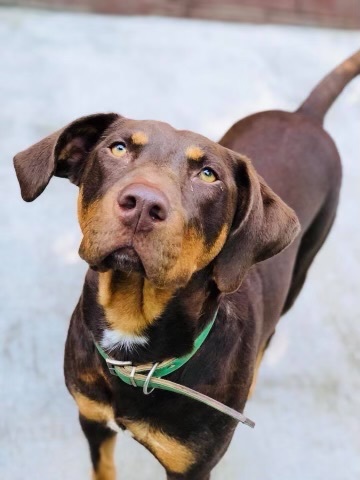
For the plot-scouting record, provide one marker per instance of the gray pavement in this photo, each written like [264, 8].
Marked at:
[200, 76]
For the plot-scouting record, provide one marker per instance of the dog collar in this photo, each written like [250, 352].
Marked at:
[134, 375]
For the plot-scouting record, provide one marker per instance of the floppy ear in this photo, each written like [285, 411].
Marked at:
[61, 154]
[263, 225]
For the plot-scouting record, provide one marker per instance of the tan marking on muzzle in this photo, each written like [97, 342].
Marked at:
[87, 213]
[194, 153]
[130, 301]
[171, 453]
[139, 138]
[195, 254]
[86, 216]
[99, 225]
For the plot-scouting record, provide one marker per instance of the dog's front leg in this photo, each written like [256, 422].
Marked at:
[102, 443]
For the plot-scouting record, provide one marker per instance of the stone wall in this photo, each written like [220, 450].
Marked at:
[332, 13]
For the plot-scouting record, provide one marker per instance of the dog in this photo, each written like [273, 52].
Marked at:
[182, 234]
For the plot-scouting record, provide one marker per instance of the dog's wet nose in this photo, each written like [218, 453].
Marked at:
[142, 206]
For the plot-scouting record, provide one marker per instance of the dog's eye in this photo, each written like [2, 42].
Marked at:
[208, 175]
[118, 149]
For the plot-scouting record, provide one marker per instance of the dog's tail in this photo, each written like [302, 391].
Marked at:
[325, 93]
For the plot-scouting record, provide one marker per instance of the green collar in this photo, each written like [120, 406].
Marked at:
[135, 375]
[162, 369]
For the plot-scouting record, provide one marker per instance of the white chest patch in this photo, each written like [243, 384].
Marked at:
[113, 339]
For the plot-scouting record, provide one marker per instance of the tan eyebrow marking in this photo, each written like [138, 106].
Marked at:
[194, 153]
[139, 138]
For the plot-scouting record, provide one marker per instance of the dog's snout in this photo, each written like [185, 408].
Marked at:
[142, 206]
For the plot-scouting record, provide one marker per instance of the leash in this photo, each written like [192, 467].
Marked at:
[134, 375]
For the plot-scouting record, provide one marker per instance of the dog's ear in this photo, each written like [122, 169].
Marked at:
[61, 154]
[263, 226]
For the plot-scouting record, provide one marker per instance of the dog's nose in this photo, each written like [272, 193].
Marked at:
[142, 207]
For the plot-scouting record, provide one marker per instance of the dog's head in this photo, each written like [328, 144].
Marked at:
[159, 201]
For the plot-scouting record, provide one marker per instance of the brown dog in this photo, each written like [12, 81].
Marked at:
[174, 226]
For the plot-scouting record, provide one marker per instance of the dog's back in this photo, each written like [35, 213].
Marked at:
[300, 162]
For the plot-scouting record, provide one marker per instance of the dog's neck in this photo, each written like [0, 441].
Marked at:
[133, 320]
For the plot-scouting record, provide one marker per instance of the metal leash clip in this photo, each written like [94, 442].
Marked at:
[148, 378]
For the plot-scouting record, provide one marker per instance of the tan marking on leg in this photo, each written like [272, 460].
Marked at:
[105, 469]
[194, 153]
[130, 301]
[172, 454]
[139, 138]
[256, 372]
[93, 410]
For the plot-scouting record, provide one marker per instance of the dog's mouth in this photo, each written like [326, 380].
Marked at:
[125, 259]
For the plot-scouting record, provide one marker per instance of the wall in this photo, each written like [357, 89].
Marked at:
[334, 13]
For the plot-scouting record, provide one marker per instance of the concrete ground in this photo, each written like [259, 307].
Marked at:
[201, 76]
